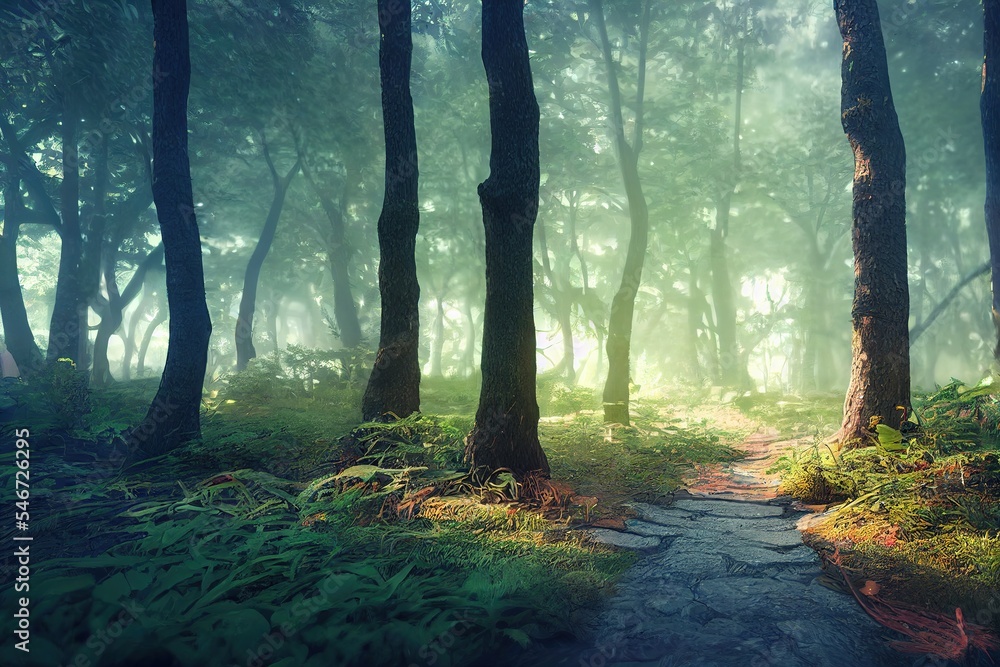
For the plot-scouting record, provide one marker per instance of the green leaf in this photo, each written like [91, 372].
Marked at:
[520, 636]
[889, 438]
[113, 589]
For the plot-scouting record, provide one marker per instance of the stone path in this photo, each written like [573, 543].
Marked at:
[725, 581]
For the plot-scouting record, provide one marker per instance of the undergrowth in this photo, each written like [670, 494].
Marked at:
[919, 513]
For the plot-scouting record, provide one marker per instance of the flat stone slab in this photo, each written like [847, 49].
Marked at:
[626, 540]
[730, 508]
[645, 528]
[723, 584]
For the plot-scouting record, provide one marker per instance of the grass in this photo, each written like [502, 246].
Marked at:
[278, 532]
[922, 518]
[281, 531]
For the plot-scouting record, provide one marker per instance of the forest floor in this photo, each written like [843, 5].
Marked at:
[287, 536]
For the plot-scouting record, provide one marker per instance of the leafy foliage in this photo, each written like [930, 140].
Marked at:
[920, 511]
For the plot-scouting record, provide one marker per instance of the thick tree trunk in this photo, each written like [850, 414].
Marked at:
[880, 370]
[394, 384]
[18, 337]
[505, 433]
[616, 387]
[174, 416]
[248, 301]
[989, 106]
[65, 336]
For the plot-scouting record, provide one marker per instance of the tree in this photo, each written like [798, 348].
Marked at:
[880, 369]
[505, 432]
[248, 302]
[623, 305]
[989, 107]
[174, 415]
[733, 371]
[394, 385]
[17, 331]
[65, 337]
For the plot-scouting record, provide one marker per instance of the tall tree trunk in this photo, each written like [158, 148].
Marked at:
[174, 417]
[394, 384]
[880, 370]
[93, 249]
[989, 106]
[65, 336]
[730, 358]
[616, 398]
[723, 301]
[248, 301]
[18, 337]
[505, 433]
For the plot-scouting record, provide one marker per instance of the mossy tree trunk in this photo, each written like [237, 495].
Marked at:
[174, 417]
[989, 106]
[394, 385]
[65, 336]
[880, 369]
[505, 432]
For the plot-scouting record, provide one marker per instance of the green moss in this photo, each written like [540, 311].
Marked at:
[922, 519]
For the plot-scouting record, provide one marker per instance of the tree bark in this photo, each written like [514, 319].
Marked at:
[174, 416]
[65, 336]
[989, 107]
[248, 301]
[880, 369]
[616, 387]
[394, 384]
[505, 433]
[18, 337]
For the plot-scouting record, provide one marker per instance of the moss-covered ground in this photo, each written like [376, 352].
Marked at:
[917, 514]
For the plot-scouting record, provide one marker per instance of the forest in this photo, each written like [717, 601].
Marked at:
[515, 332]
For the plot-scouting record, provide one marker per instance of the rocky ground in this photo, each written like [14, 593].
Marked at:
[725, 581]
